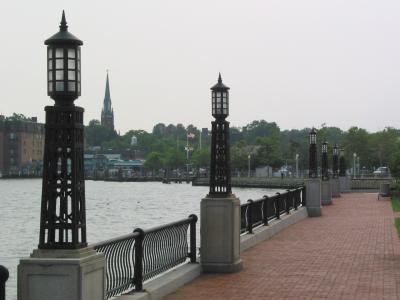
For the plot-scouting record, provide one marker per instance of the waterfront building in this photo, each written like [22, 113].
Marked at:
[107, 113]
[21, 146]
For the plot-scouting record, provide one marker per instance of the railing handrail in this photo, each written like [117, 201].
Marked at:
[130, 257]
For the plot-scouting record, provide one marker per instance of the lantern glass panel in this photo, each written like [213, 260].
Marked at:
[71, 86]
[50, 75]
[59, 75]
[71, 75]
[50, 86]
[50, 53]
[71, 53]
[59, 86]
[79, 64]
[59, 64]
[50, 64]
[59, 53]
[71, 63]
[79, 87]
[79, 76]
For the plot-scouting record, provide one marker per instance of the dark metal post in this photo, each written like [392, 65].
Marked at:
[265, 210]
[3, 278]
[296, 197]
[192, 253]
[288, 199]
[220, 173]
[277, 206]
[335, 162]
[342, 163]
[63, 213]
[313, 172]
[324, 165]
[138, 267]
[250, 216]
[303, 196]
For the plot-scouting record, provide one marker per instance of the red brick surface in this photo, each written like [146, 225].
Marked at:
[351, 252]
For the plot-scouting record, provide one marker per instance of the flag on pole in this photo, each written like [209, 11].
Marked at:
[190, 135]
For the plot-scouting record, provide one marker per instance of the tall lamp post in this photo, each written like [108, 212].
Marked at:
[297, 165]
[313, 172]
[248, 165]
[62, 254]
[324, 165]
[354, 164]
[335, 162]
[220, 209]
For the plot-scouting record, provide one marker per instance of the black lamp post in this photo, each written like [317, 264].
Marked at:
[324, 165]
[63, 218]
[335, 162]
[342, 163]
[220, 172]
[313, 172]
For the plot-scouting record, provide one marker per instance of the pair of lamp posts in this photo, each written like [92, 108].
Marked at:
[313, 168]
[63, 217]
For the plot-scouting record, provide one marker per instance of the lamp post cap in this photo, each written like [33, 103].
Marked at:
[63, 36]
[219, 86]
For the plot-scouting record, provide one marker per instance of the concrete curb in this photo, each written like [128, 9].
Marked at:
[263, 233]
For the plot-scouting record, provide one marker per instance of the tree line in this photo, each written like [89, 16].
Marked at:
[264, 141]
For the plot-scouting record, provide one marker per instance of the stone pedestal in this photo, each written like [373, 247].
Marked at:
[326, 192]
[62, 275]
[335, 187]
[220, 234]
[344, 183]
[313, 197]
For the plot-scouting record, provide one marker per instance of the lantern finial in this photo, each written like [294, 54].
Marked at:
[63, 24]
[219, 78]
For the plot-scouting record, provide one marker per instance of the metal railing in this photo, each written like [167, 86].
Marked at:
[261, 211]
[144, 254]
[3, 278]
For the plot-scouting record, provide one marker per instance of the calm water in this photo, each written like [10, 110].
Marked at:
[113, 209]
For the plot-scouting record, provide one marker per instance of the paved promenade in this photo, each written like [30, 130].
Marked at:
[351, 252]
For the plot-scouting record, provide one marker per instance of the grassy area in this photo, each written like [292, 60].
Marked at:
[397, 224]
[395, 204]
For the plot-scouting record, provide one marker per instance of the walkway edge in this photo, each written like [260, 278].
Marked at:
[266, 232]
[167, 283]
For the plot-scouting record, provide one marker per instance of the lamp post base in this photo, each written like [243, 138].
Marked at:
[326, 192]
[62, 275]
[313, 197]
[220, 234]
[335, 187]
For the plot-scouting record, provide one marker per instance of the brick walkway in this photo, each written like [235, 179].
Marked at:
[352, 252]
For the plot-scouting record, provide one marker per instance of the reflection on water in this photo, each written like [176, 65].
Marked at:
[113, 209]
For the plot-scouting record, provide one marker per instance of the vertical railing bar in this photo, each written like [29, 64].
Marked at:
[250, 216]
[4, 274]
[192, 252]
[138, 268]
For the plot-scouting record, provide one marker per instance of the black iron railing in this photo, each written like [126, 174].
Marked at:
[261, 211]
[144, 254]
[3, 278]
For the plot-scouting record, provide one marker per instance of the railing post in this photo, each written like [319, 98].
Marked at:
[277, 206]
[303, 196]
[288, 199]
[296, 198]
[265, 210]
[250, 216]
[3, 278]
[138, 267]
[192, 253]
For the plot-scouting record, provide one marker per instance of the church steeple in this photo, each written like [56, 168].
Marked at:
[107, 113]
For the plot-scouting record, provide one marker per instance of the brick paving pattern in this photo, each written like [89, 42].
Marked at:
[351, 252]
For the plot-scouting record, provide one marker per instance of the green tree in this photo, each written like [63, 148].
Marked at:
[154, 161]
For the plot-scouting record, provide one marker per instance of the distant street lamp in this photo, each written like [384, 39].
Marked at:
[63, 216]
[324, 165]
[335, 162]
[220, 170]
[354, 164]
[342, 163]
[248, 159]
[313, 154]
[297, 165]
[358, 165]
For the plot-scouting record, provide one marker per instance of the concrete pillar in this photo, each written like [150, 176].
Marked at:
[326, 192]
[220, 234]
[335, 187]
[313, 197]
[344, 183]
[62, 275]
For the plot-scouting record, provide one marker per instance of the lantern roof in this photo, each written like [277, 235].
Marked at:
[219, 86]
[63, 36]
[313, 131]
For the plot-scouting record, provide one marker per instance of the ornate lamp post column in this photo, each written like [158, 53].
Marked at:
[335, 162]
[220, 209]
[324, 165]
[342, 164]
[62, 255]
[313, 172]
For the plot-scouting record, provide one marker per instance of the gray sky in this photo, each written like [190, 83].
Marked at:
[289, 61]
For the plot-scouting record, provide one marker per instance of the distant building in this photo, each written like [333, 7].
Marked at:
[107, 113]
[21, 146]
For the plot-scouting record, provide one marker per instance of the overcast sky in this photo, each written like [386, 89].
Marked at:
[298, 63]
